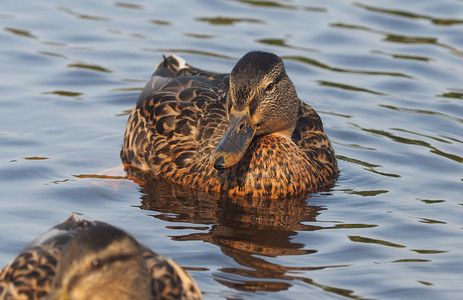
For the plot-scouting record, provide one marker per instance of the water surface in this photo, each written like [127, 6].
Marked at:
[386, 78]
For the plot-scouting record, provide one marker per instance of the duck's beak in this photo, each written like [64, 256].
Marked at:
[235, 141]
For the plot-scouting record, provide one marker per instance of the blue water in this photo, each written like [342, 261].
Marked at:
[385, 76]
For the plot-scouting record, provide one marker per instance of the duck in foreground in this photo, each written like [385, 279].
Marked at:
[83, 260]
[246, 133]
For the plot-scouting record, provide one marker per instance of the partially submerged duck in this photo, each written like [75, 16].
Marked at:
[83, 260]
[246, 133]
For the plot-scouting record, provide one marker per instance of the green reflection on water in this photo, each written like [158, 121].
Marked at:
[338, 291]
[410, 39]
[453, 95]
[267, 4]
[395, 138]
[356, 161]
[350, 226]
[20, 32]
[361, 239]
[273, 42]
[63, 93]
[274, 4]
[422, 111]
[447, 155]
[422, 135]
[282, 43]
[391, 37]
[395, 38]
[348, 87]
[159, 22]
[411, 260]
[53, 54]
[429, 251]
[410, 15]
[128, 89]
[404, 56]
[428, 201]
[404, 140]
[316, 63]
[369, 167]
[83, 16]
[227, 20]
[89, 67]
[431, 221]
[199, 36]
[370, 193]
[128, 5]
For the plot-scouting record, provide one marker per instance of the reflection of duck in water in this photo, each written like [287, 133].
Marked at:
[179, 204]
[249, 230]
[246, 133]
[93, 260]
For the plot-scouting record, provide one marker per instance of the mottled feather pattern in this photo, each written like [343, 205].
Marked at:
[169, 280]
[30, 274]
[173, 131]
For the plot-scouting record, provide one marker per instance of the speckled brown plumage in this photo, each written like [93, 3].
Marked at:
[78, 259]
[182, 115]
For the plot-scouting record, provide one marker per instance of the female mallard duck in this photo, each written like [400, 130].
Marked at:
[246, 133]
[93, 260]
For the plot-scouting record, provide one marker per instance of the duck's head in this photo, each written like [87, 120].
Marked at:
[101, 263]
[261, 100]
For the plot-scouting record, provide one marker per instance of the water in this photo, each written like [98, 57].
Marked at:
[386, 78]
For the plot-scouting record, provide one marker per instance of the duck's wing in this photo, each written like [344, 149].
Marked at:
[178, 118]
[169, 280]
[29, 275]
[311, 138]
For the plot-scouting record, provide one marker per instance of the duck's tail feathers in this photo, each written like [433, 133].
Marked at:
[170, 65]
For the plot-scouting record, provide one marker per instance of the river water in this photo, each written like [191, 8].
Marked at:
[385, 76]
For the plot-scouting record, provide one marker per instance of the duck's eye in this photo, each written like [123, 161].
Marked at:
[270, 87]
[97, 263]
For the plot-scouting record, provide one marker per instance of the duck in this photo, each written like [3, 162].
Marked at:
[80, 259]
[246, 133]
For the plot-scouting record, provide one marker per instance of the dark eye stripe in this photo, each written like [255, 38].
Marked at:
[97, 264]
[253, 106]
[121, 257]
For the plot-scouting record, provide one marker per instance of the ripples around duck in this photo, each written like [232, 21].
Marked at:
[385, 78]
